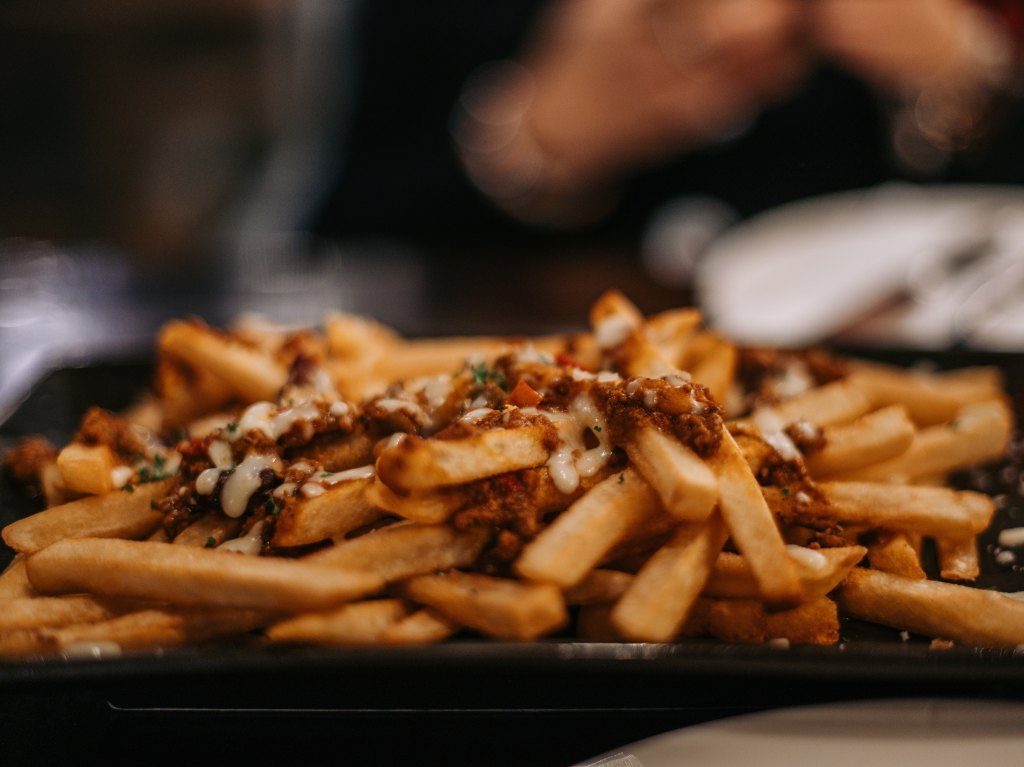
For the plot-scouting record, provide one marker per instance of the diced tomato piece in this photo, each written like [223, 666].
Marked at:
[564, 360]
[524, 395]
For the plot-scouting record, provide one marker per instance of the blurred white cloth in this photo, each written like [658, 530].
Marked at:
[899, 265]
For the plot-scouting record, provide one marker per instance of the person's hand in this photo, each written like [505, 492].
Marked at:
[908, 46]
[608, 85]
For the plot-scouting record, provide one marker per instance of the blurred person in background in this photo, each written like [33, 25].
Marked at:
[522, 118]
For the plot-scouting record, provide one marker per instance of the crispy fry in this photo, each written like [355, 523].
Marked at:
[894, 553]
[42, 612]
[942, 610]
[869, 439]
[930, 398]
[980, 433]
[958, 558]
[495, 606]
[119, 514]
[356, 624]
[187, 576]
[402, 551]
[337, 511]
[576, 542]
[213, 527]
[661, 595]
[746, 622]
[599, 587]
[716, 369]
[418, 464]
[687, 487]
[421, 627]
[828, 405]
[427, 507]
[250, 373]
[752, 526]
[87, 468]
[595, 624]
[820, 571]
[14, 581]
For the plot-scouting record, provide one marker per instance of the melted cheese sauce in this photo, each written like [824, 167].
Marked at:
[220, 453]
[251, 543]
[243, 482]
[572, 460]
[359, 472]
[612, 331]
[207, 481]
[121, 475]
[771, 428]
[265, 418]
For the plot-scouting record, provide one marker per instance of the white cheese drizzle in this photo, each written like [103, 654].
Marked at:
[771, 428]
[244, 481]
[359, 472]
[612, 331]
[1012, 537]
[220, 453]
[312, 489]
[207, 481]
[571, 459]
[121, 475]
[262, 417]
[477, 414]
[251, 543]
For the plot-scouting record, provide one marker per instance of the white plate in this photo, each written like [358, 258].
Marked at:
[801, 273]
[905, 733]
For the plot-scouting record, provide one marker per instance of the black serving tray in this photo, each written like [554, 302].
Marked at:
[464, 702]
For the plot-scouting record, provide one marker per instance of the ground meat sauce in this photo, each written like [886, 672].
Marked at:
[759, 370]
[100, 427]
[808, 437]
[685, 411]
[26, 460]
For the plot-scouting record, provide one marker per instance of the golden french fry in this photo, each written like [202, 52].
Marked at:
[599, 587]
[716, 369]
[87, 468]
[120, 514]
[958, 558]
[421, 627]
[427, 507]
[149, 629]
[594, 624]
[402, 551]
[347, 452]
[207, 531]
[181, 575]
[14, 580]
[418, 464]
[339, 510]
[250, 373]
[962, 614]
[752, 526]
[745, 621]
[930, 398]
[980, 433]
[41, 612]
[834, 403]
[892, 552]
[584, 533]
[937, 511]
[355, 624]
[820, 571]
[869, 439]
[495, 606]
[687, 487]
[52, 483]
[656, 604]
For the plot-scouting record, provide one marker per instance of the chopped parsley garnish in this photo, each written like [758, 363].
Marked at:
[210, 542]
[325, 473]
[128, 487]
[622, 478]
[597, 427]
[233, 426]
[271, 507]
[785, 491]
[482, 375]
[156, 472]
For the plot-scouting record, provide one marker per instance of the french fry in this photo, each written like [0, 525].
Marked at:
[599, 587]
[427, 507]
[339, 454]
[577, 540]
[402, 551]
[958, 558]
[494, 606]
[687, 487]
[186, 576]
[745, 621]
[55, 493]
[148, 629]
[594, 624]
[119, 514]
[43, 612]
[87, 468]
[186, 393]
[355, 624]
[250, 373]
[752, 526]
[980, 433]
[964, 615]
[339, 510]
[207, 532]
[834, 403]
[421, 627]
[25, 642]
[930, 398]
[418, 464]
[892, 552]
[660, 597]
[869, 439]
[716, 369]
[819, 570]
[14, 582]
[936, 511]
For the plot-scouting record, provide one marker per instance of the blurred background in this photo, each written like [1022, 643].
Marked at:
[804, 170]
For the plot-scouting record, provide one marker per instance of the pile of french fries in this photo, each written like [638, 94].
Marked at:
[643, 481]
